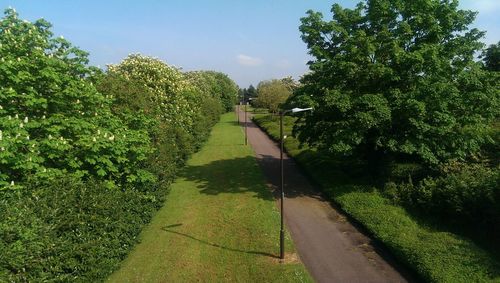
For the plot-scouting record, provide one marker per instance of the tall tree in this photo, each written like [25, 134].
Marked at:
[491, 57]
[251, 92]
[272, 94]
[393, 77]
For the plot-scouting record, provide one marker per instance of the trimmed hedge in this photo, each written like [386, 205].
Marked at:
[68, 230]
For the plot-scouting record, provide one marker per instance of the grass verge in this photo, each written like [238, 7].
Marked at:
[219, 222]
[436, 255]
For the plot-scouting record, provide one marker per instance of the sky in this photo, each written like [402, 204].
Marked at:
[251, 40]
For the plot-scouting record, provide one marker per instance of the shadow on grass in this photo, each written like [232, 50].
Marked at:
[168, 229]
[239, 175]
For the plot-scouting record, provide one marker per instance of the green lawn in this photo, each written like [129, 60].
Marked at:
[219, 222]
[435, 254]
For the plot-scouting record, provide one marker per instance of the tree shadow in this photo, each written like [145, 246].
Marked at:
[238, 175]
[169, 229]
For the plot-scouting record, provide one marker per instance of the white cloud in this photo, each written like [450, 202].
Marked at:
[246, 60]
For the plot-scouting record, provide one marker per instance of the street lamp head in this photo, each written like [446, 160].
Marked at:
[295, 110]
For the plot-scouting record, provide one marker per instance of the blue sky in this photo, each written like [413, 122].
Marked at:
[249, 40]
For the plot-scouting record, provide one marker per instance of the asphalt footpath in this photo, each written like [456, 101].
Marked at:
[331, 248]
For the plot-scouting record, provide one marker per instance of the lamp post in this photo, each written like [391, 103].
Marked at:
[282, 198]
[246, 135]
[238, 112]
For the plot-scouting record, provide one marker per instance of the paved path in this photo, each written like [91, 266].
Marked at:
[332, 249]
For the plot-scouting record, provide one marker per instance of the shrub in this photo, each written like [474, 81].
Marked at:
[69, 230]
[470, 196]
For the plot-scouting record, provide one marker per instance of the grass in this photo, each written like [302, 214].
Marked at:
[435, 254]
[219, 222]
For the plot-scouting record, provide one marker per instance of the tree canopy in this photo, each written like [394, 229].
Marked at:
[53, 121]
[272, 94]
[396, 77]
[492, 57]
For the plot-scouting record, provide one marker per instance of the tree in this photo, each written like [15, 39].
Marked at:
[492, 57]
[290, 83]
[251, 92]
[53, 121]
[272, 94]
[228, 90]
[217, 85]
[393, 78]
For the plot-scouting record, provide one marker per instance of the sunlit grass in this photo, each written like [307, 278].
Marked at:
[219, 223]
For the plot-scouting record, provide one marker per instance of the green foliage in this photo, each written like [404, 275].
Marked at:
[397, 78]
[68, 230]
[491, 57]
[272, 94]
[171, 94]
[183, 107]
[462, 196]
[216, 85]
[52, 120]
[83, 167]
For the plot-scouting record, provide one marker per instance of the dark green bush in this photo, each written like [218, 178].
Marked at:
[69, 230]
[467, 196]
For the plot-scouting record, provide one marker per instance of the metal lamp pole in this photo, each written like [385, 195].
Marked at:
[246, 135]
[282, 197]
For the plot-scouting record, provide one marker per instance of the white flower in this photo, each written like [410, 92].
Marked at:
[2, 148]
[17, 116]
[26, 120]
[43, 117]
[1, 135]
[12, 183]
[94, 139]
[98, 132]
[44, 170]
[10, 117]
[105, 135]
[112, 138]
[28, 137]
[1, 107]
[50, 137]
[78, 101]
[61, 138]
[21, 125]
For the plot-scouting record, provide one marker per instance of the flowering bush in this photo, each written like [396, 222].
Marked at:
[173, 96]
[66, 142]
[52, 120]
